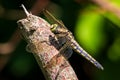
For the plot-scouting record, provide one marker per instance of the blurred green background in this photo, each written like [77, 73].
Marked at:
[94, 23]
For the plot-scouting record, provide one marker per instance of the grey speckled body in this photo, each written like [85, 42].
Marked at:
[61, 31]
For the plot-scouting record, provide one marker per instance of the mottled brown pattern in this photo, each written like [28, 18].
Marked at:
[38, 35]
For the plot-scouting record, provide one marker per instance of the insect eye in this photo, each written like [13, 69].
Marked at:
[54, 27]
[31, 32]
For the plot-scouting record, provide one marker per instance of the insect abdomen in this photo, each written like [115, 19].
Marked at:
[82, 52]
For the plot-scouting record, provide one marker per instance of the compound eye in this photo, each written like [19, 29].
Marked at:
[31, 32]
[54, 28]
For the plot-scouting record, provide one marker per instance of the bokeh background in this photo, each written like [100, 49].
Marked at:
[94, 23]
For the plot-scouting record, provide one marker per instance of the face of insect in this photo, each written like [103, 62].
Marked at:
[26, 23]
[54, 28]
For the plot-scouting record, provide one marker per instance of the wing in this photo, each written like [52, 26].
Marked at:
[61, 30]
[53, 19]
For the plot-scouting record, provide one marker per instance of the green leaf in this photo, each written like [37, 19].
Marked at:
[89, 31]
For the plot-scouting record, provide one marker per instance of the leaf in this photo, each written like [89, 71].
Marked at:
[89, 30]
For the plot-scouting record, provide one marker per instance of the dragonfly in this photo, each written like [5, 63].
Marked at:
[60, 31]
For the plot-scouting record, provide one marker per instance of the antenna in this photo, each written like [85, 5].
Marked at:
[25, 10]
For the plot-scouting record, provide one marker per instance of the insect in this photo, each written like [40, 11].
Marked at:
[59, 29]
